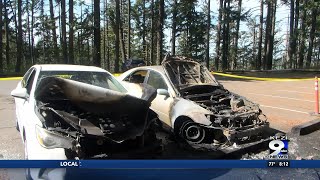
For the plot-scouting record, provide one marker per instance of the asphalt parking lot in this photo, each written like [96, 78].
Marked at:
[285, 103]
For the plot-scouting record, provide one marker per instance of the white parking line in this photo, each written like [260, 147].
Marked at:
[295, 92]
[292, 110]
[281, 97]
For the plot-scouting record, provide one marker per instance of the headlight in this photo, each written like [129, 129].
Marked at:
[50, 140]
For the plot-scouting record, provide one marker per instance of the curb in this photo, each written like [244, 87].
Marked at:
[306, 128]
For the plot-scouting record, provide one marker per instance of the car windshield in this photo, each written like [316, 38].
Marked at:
[100, 79]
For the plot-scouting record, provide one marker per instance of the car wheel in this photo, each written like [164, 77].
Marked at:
[189, 130]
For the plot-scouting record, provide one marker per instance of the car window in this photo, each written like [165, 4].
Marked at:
[30, 82]
[137, 77]
[156, 80]
[26, 77]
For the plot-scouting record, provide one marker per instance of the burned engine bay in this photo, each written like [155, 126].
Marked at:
[90, 121]
[231, 120]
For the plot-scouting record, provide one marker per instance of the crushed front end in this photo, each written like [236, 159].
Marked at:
[93, 122]
[230, 121]
[235, 121]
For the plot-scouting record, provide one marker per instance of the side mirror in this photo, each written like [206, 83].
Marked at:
[163, 92]
[20, 93]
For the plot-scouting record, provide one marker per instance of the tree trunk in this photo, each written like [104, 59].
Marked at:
[271, 35]
[19, 39]
[174, 26]
[7, 33]
[303, 35]
[267, 35]
[291, 37]
[311, 37]
[159, 32]
[54, 33]
[64, 31]
[129, 29]
[296, 33]
[122, 43]
[1, 26]
[259, 57]
[225, 48]
[71, 33]
[217, 59]
[107, 34]
[32, 36]
[117, 40]
[253, 65]
[235, 54]
[96, 33]
[145, 53]
[151, 35]
[208, 36]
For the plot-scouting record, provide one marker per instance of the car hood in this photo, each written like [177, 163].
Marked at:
[69, 106]
[184, 72]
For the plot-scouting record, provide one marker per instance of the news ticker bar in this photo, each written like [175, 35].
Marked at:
[158, 164]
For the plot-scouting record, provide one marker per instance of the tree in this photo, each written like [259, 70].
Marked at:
[64, 32]
[53, 29]
[152, 32]
[96, 34]
[160, 31]
[312, 35]
[1, 26]
[291, 37]
[174, 25]
[208, 35]
[218, 40]
[19, 39]
[303, 35]
[259, 57]
[129, 29]
[117, 40]
[235, 54]
[71, 33]
[225, 45]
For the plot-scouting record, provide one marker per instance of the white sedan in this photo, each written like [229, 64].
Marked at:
[78, 112]
[193, 105]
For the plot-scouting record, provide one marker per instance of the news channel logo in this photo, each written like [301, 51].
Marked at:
[278, 147]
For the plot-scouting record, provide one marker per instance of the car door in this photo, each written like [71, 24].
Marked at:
[132, 81]
[162, 103]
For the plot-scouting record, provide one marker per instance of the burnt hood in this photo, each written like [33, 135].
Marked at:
[184, 72]
[69, 105]
[89, 97]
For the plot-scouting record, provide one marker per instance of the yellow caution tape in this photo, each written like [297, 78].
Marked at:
[10, 78]
[216, 73]
[262, 79]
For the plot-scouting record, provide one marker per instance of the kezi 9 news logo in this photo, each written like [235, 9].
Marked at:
[278, 147]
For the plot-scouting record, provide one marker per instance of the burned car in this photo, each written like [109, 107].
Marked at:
[196, 108]
[81, 112]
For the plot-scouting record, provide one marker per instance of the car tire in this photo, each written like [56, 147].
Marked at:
[185, 124]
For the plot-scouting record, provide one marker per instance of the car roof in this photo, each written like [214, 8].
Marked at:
[68, 67]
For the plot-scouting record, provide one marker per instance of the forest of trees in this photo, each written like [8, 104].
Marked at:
[106, 32]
